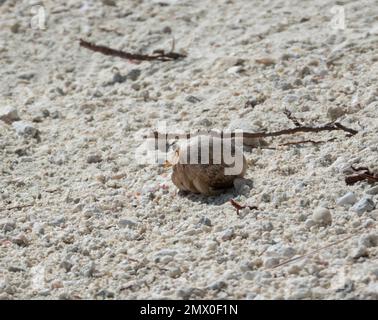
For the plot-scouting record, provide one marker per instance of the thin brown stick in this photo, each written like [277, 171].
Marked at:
[20, 206]
[313, 252]
[305, 141]
[327, 127]
[253, 135]
[239, 206]
[263, 251]
[361, 169]
[366, 175]
[292, 118]
[158, 55]
[350, 180]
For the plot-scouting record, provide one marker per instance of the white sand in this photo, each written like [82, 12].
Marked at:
[113, 228]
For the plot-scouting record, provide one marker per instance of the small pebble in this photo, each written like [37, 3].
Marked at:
[111, 3]
[184, 293]
[285, 86]
[267, 226]
[45, 112]
[243, 186]
[310, 223]
[204, 122]
[305, 71]
[127, 223]
[58, 221]
[368, 223]
[15, 28]
[94, 158]
[205, 221]
[372, 290]
[294, 269]
[347, 199]
[265, 197]
[165, 259]
[134, 74]
[249, 275]
[192, 99]
[7, 224]
[290, 98]
[118, 78]
[287, 252]
[359, 252]
[135, 86]
[26, 75]
[15, 268]
[364, 205]
[217, 285]
[104, 293]
[39, 228]
[55, 114]
[25, 129]
[335, 112]
[175, 272]
[369, 240]
[271, 262]
[246, 265]
[9, 114]
[322, 216]
[167, 30]
[372, 191]
[235, 70]
[56, 284]
[89, 270]
[228, 234]
[20, 240]
[166, 252]
[66, 265]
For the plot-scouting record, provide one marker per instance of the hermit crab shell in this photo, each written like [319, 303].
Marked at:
[208, 165]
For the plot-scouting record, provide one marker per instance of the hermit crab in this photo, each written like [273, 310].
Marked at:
[207, 164]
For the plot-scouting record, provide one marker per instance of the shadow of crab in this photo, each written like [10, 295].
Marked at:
[225, 195]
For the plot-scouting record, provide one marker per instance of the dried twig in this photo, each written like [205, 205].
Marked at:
[305, 141]
[313, 252]
[366, 175]
[253, 135]
[239, 206]
[159, 55]
[361, 169]
[21, 206]
[292, 118]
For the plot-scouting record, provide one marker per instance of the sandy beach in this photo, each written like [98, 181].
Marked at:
[81, 217]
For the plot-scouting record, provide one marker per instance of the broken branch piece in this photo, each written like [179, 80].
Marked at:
[252, 135]
[290, 116]
[305, 141]
[366, 175]
[158, 55]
